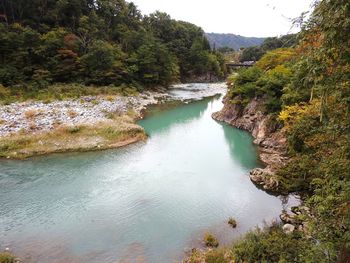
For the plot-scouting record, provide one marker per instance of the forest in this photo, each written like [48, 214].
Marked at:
[98, 42]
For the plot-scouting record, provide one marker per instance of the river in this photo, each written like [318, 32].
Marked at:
[147, 202]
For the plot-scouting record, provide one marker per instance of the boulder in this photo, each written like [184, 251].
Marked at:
[288, 218]
[264, 178]
[288, 228]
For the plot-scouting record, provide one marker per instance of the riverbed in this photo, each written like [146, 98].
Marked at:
[147, 202]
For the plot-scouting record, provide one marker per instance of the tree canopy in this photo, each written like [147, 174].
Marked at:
[254, 53]
[100, 42]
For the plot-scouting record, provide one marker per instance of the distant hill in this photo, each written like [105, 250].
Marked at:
[233, 41]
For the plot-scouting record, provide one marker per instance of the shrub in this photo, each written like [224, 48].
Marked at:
[210, 240]
[274, 58]
[232, 222]
[271, 244]
[6, 257]
[30, 114]
[4, 92]
[216, 256]
[73, 129]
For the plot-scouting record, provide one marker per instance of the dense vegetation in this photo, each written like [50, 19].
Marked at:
[306, 89]
[97, 42]
[254, 53]
[6, 257]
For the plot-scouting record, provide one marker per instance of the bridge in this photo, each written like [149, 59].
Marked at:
[244, 64]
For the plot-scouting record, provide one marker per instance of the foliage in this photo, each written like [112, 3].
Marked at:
[274, 58]
[216, 256]
[251, 54]
[265, 80]
[254, 53]
[61, 92]
[99, 42]
[308, 87]
[210, 240]
[6, 257]
[273, 245]
[225, 50]
[233, 41]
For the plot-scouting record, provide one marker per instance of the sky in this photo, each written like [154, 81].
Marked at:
[258, 18]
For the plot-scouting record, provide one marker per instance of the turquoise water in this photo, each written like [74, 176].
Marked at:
[147, 202]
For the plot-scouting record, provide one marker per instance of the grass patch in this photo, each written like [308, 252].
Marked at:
[6, 257]
[268, 244]
[74, 129]
[103, 135]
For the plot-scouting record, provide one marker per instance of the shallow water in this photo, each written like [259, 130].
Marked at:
[144, 203]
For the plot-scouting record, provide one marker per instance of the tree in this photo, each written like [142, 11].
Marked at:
[103, 63]
[155, 64]
[251, 54]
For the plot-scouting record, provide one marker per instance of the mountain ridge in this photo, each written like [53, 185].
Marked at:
[234, 41]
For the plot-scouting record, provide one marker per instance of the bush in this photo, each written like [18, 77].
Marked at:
[4, 92]
[6, 257]
[271, 244]
[210, 240]
[74, 129]
[232, 222]
[216, 256]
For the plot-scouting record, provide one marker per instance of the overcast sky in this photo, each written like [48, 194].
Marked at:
[260, 18]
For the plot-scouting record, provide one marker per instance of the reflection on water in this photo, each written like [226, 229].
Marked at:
[177, 114]
[143, 203]
[240, 146]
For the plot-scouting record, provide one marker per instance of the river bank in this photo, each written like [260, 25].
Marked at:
[146, 201]
[272, 150]
[86, 124]
[271, 141]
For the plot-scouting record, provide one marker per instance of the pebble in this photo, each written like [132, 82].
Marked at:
[288, 228]
[38, 116]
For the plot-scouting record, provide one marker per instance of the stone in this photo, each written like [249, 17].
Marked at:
[264, 178]
[288, 218]
[288, 228]
[89, 109]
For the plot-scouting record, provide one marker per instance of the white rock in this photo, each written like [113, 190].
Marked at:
[288, 228]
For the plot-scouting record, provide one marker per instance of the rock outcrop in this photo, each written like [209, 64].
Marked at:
[271, 141]
[299, 218]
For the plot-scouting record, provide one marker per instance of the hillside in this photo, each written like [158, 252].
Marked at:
[105, 43]
[233, 41]
[296, 103]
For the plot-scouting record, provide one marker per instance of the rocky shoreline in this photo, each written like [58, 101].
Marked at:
[36, 116]
[271, 141]
[89, 123]
[272, 145]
